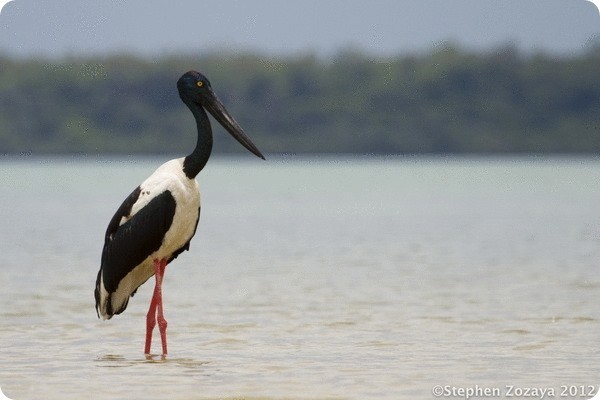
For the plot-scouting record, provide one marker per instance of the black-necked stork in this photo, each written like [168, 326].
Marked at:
[158, 219]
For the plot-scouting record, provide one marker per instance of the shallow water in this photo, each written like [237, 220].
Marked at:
[311, 278]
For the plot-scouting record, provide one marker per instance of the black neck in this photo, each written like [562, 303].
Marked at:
[194, 162]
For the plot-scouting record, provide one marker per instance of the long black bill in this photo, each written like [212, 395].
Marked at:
[218, 110]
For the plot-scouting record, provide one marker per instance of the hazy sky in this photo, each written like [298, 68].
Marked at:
[59, 27]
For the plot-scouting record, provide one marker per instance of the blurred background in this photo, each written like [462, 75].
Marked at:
[336, 269]
[383, 77]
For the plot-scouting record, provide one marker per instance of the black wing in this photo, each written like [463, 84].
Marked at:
[127, 245]
[124, 210]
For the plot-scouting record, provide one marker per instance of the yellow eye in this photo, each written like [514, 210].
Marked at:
[199, 83]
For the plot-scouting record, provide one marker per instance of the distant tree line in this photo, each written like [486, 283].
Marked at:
[447, 101]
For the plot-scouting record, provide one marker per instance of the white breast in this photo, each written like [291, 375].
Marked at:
[186, 192]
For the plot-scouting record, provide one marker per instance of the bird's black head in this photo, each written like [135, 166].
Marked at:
[196, 92]
[193, 86]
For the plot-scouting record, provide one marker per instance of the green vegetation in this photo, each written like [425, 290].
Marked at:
[447, 101]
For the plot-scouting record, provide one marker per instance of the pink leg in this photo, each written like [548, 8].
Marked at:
[162, 322]
[150, 323]
[156, 309]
